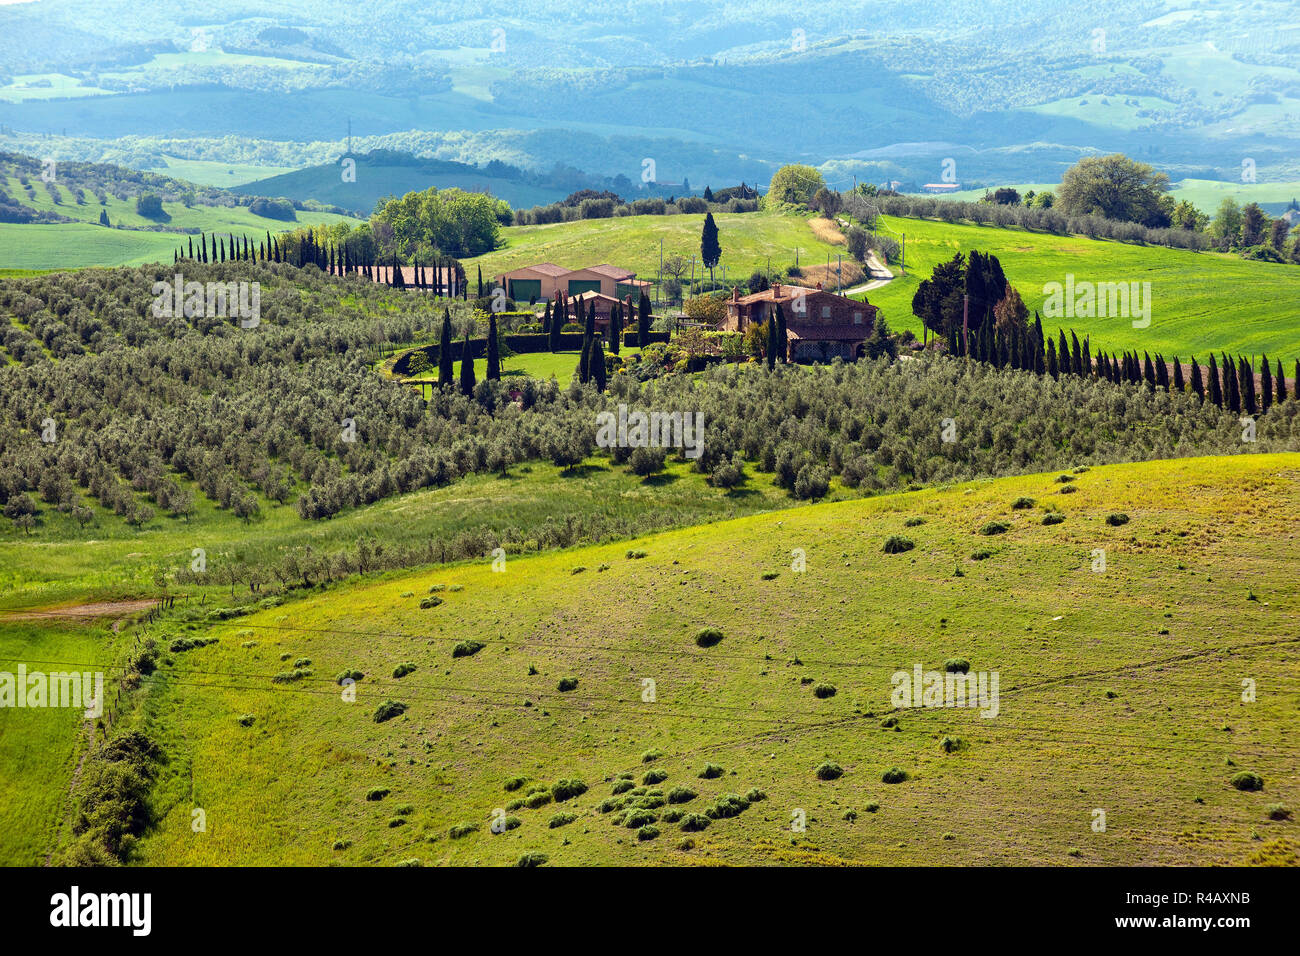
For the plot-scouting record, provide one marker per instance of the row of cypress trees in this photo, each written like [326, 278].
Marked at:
[1228, 382]
[445, 277]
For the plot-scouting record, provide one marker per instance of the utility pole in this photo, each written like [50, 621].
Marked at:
[661, 270]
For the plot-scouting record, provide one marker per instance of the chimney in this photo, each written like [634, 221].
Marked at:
[776, 290]
[735, 294]
[819, 287]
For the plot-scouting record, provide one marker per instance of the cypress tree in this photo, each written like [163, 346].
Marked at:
[480, 281]
[546, 318]
[615, 326]
[771, 343]
[643, 324]
[1087, 356]
[1295, 382]
[1265, 384]
[1179, 385]
[1198, 386]
[493, 351]
[1216, 393]
[1148, 371]
[1281, 383]
[446, 371]
[584, 362]
[1162, 372]
[1246, 378]
[467, 368]
[596, 363]
[557, 322]
[1052, 370]
[781, 339]
[191, 255]
[1063, 363]
[1076, 356]
[1231, 386]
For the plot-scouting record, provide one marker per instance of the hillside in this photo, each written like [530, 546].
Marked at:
[392, 175]
[1200, 301]
[1119, 690]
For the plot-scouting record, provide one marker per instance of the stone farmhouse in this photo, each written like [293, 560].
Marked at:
[819, 325]
[543, 280]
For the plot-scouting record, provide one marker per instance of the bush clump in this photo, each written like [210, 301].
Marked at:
[823, 691]
[957, 665]
[727, 805]
[467, 648]
[513, 784]
[711, 771]
[377, 793]
[913, 522]
[654, 776]
[388, 710]
[352, 675]
[532, 859]
[1247, 780]
[647, 832]
[897, 544]
[681, 795]
[995, 527]
[829, 770]
[651, 755]
[622, 786]
[567, 684]
[1022, 503]
[1116, 519]
[567, 789]
[429, 602]
[1053, 517]
[404, 668]
[561, 820]
[894, 775]
[694, 822]
[708, 637]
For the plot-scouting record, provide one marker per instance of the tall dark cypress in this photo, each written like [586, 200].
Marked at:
[1295, 382]
[1148, 370]
[782, 342]
[1246, 381]
[771, 343]
[557, 322]
[1198, 386]
[493, 352]
[1281, 383]
[1076, 356]
[643, 325]
[191, 255]
[1231, 387]
[1216, 392]
[1052, 368]
[467, 381]
[1265, 384]
[1162, 372]
[1179, 385]
[596, 364]
[546, 318]
[446, 375]
[480, 281]
[615, 326]
[584, 362]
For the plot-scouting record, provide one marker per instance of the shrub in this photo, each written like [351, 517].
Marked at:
[1053, 517]
[1277, 811]
[402, 669]
[950, 744]
[708, 637]
[429, 602]
[568, 789]
[539, 799]
[467, 648]
[532, 859]
[647, 832]
[651, 755]
[913, 522]
[610, 804]
[388, 710]
[681, 795]
[1116, 519]
[849, 815]
[513, 784]
[1064, 479]
[829, 771]
[561, 820]
[377, 793]
[995, 527]
[290, 677]
[755, 795]
[711, 771]
[894, 775]
[956, 665]
[770, 575]
[982, 554]
[1069, 490]
[872, 807]
[635, 555]
[694, 822]
[246, 720]
[1247, 780]
[342, 844]
[352, 675]
[727, 805]
[1021, 503]
[622, 786]
[823, 691]
[654, 776]
[639, 818]
[672, 815]
[567, 684]
[897, 544]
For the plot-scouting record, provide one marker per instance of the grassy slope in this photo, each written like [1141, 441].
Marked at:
[747, 240]
[1099, 708]
[208, 173]
[74, 245]
[1199, 300]
[543, 365]
[110, 560]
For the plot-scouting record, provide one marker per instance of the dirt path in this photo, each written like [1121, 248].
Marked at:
[877, 268]
[96, 609]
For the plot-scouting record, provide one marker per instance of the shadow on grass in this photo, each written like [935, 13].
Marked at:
[582, 471]
[661, 479]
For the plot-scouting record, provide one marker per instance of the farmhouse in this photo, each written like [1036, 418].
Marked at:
[819, 325]
[543, 280]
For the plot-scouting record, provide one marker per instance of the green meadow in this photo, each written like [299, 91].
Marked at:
[1200, 301]
[1120, 690]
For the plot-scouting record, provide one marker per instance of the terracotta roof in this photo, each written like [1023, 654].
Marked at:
[584, 296]
[614, 272]
[546, 268]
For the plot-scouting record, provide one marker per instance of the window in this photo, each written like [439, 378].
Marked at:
[857, 318]
[826, 312]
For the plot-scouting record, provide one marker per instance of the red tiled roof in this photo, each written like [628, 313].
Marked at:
[614, 272]
[546, 268]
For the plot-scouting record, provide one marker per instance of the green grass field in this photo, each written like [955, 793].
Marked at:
[1119, 690]
[207, 173]
[1200, 301]
[748, 241]
[543, 365]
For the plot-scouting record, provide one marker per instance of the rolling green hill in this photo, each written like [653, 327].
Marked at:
[377, 178]
[1120, 690]
[1200, 301]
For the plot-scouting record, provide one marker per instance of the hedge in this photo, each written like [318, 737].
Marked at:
[519, 343]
